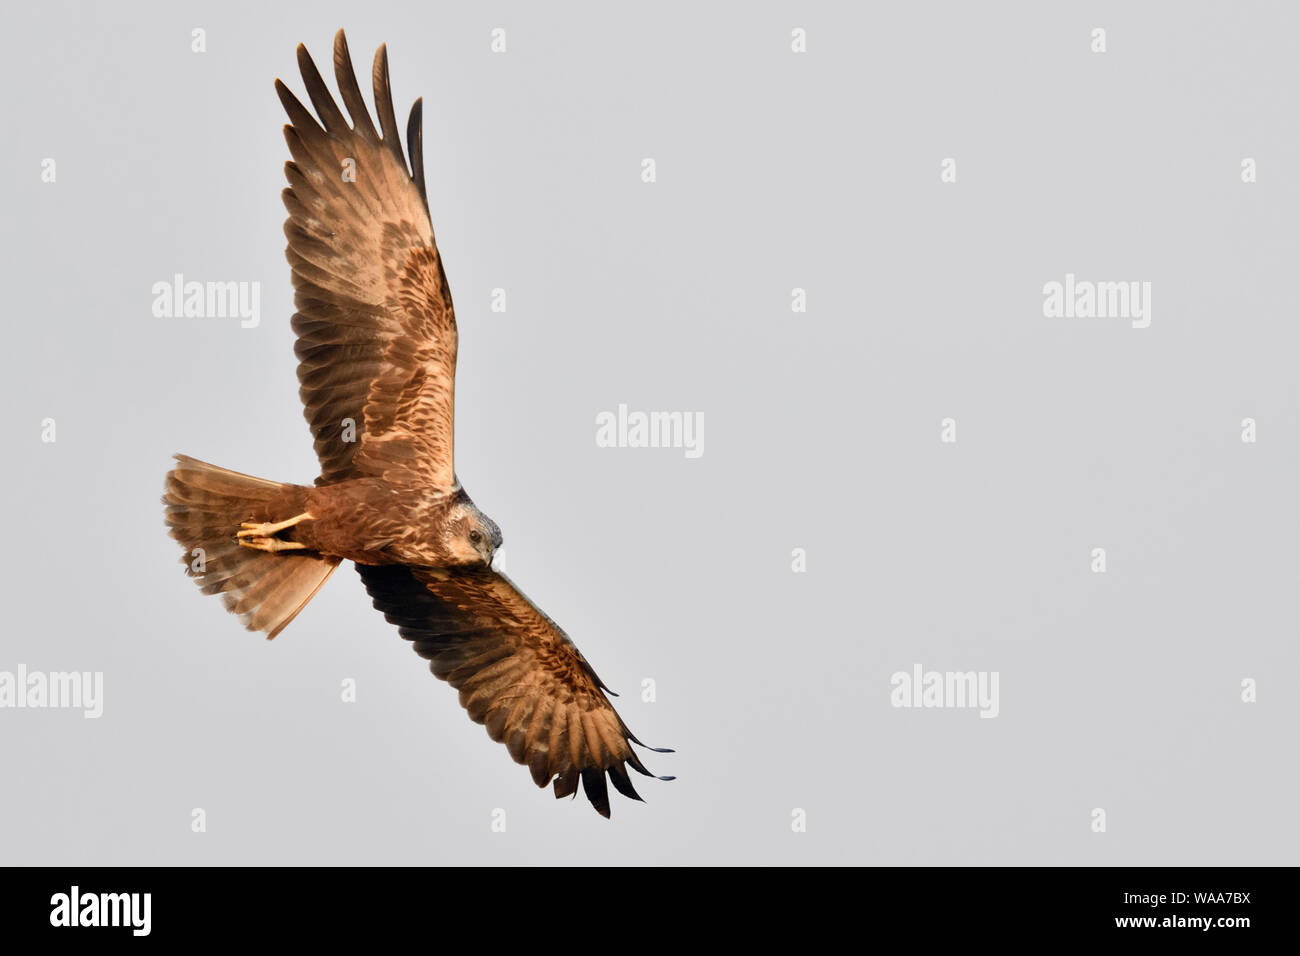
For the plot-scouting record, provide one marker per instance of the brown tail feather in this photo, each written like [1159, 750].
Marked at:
[205, 506]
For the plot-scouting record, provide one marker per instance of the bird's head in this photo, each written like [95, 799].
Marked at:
[471, 537]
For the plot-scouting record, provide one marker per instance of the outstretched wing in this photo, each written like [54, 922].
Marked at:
[376, 331]
[517, 673]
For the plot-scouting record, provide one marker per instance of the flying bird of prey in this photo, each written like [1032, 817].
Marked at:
[376, 348]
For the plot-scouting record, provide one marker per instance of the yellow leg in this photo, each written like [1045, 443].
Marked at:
[271, 544]
[264, 529]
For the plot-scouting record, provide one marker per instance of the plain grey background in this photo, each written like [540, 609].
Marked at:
[776, 170]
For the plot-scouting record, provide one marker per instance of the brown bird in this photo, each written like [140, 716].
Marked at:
[376, 348]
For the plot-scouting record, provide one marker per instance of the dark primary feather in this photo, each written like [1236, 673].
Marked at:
[415, 143]
[517, 673]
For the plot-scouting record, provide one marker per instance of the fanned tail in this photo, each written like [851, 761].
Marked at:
[205, 507]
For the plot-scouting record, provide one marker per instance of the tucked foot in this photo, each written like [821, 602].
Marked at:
[264, 529]
[261, 534]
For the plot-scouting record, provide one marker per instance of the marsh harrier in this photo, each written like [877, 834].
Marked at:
[376, 348]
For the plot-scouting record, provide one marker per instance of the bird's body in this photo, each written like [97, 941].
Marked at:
[374, 521]
[376, 347]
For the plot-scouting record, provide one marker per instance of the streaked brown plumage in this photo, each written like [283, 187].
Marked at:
[377, 361]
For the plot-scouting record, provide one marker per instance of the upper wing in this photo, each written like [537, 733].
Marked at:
[516, 671]
[376, 331]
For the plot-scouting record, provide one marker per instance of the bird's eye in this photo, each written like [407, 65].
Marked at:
[475, 537]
